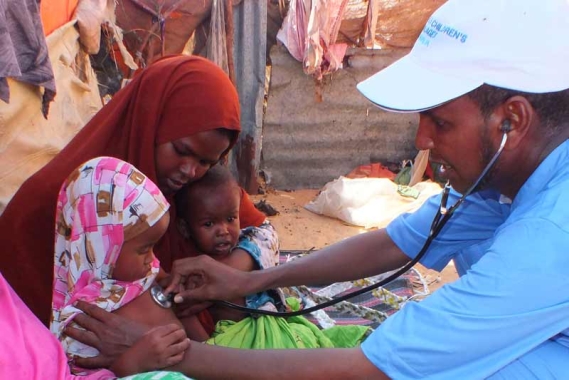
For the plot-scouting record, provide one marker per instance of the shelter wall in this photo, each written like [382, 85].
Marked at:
[308, 142]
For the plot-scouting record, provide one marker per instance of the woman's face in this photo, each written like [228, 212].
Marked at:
[187, 159]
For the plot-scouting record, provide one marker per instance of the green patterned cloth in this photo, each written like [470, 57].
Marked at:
[157, 375]
[266, 332]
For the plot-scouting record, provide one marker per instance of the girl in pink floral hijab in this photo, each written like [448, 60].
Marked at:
[102, 207]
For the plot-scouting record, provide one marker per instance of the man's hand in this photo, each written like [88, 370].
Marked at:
[111, 334]
[198, 279]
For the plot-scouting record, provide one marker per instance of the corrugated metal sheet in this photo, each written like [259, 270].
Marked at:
[308, 142]
[250, 40]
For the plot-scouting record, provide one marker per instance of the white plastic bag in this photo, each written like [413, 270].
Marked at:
[368, 202]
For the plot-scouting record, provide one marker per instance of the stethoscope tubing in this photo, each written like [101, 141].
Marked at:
[439, 221]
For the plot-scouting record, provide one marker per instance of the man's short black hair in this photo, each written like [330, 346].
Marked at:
[551, 107]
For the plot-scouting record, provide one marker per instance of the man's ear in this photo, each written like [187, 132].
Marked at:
[515, 117]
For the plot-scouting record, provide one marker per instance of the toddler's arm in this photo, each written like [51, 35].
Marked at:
[242, 260]
[194, 328]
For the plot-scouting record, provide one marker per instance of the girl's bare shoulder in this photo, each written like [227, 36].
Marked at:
[145, 310]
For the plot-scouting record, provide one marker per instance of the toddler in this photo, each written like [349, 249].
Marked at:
[209, 212]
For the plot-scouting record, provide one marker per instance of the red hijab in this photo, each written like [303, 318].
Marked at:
[176, 97]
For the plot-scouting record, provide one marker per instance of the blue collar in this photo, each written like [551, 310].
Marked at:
[555, 165]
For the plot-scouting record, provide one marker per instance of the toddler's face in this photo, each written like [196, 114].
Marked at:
[136, 255]
[214, 222]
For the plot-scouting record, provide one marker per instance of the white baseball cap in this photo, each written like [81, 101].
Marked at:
[520, 45]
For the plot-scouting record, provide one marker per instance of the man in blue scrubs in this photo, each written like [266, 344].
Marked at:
[481, 73]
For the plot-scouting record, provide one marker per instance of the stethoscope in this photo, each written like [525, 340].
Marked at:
[439, 221]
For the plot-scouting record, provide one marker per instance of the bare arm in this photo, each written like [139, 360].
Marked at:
[111, 334]
[313, 364]
[115, 333]
[242, 260]
[194, 329]
[350, 259]
[357, 257]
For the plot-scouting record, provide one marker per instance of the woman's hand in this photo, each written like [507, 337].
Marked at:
[111, 334]
[161, 347]
[198, 279]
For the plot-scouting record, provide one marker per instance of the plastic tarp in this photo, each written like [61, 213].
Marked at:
[56, 13]
[309, 32]
[216, 42]
[385, 23]
[27, 140]
[90, 14]
[317, 32]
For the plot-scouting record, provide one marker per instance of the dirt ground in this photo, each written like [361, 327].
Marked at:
[300, 229]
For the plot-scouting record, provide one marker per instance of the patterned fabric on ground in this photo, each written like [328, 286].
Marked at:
[103, 203]
[401, 288]
[268, 332]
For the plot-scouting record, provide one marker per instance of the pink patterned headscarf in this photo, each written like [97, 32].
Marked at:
[103, 203]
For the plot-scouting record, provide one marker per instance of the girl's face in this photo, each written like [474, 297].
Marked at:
[136, 255]
[187, 159]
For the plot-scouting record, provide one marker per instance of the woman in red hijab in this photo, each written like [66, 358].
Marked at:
[174, 121]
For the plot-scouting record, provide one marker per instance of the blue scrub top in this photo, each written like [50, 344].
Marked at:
[507, 316]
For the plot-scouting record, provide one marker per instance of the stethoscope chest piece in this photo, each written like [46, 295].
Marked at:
[159, 297]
